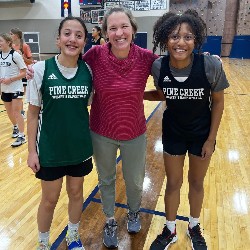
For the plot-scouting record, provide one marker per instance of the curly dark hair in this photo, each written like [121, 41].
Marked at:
[165, 25]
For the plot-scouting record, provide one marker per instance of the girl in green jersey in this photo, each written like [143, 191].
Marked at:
[59, 141]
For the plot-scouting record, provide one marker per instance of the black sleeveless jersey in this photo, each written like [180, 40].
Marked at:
[97, 42]
[188, 112]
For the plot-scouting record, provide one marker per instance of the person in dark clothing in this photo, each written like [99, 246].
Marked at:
[97, 38]
[193, 87]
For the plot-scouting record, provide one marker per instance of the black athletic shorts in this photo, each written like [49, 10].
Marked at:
[8, 97]
[182, 146]
[54, 173]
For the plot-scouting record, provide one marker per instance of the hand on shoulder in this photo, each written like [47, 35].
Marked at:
[215, 56]
[29, 72]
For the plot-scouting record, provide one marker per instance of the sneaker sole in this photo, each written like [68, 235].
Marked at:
[133, 232]
[173, 241]
[188, 235]
[169, 244]
[109, 247]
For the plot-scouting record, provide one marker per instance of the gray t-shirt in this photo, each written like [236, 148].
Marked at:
[213, 69]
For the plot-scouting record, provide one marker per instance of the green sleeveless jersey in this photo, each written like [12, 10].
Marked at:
[63, 136]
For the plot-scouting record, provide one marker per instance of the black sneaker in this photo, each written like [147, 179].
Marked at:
[197, 240]
[15, 132]
[163, 241]
[23, 114]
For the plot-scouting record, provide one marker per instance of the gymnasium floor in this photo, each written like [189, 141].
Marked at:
[226, 210]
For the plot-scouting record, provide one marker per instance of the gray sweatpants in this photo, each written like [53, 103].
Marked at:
[133, 153]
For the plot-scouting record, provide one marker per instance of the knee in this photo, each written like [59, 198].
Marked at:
[134, 187]
[75, 192]
[135, 182]
[196, 185]
[174, 185]
[49, 203]
[106, 181]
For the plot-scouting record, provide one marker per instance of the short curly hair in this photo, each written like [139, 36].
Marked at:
[165, 25]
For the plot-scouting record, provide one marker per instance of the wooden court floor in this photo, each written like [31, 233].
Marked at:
[225, 214]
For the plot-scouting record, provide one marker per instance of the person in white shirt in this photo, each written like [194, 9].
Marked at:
[12, 70]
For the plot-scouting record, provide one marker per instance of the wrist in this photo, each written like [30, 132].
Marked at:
[210, 140]
[32, 151]
[11, 79]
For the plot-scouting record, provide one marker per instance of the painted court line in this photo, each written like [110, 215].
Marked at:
[91, 198]
[144, 210]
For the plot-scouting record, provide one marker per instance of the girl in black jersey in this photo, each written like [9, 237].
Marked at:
[193, 87]
[97, 39]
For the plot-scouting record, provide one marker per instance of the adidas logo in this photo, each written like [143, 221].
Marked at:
[166, 79]
[52, 77]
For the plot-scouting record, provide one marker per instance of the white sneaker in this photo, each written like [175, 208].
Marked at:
[43, 246]
[19, 141]
[73, 241]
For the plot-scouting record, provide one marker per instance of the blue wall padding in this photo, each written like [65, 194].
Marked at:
[240, 47]
[212, 45]
[141, 39]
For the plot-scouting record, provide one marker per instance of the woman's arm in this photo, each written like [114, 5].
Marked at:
[154, 95]
[216, 115]
[92, 56]
[28, 60]
[29, 72]
[20, 76]
[32, 125]
[27, 55]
